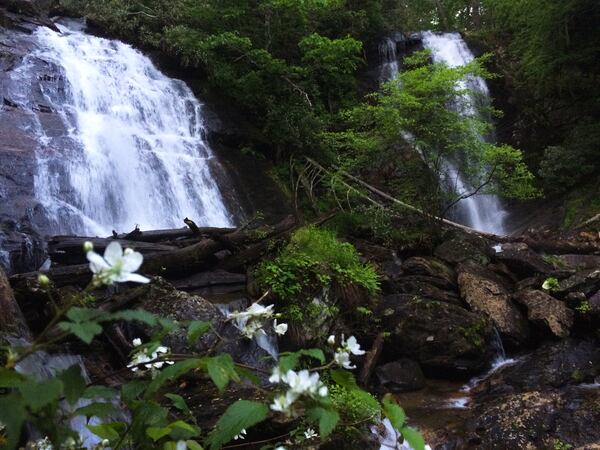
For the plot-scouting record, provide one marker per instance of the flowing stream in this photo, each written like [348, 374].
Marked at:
[135, 153]
[482, 212]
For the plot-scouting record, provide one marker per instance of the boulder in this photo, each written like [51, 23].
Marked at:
[578, 262]
[401, 376]
[522, 260]
[444, 338]
[586, 282]
[424, 287]
[430, 267]
[552, 365]
[485, 293]
[462, 249]
[538, 420]
[165, 301]
[547, 312]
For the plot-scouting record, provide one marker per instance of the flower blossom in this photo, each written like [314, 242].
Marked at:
[252, 321]
[300, 384]
[342, 354]
[310, 433]
[281, 328]
[116, 265]
[142, 357]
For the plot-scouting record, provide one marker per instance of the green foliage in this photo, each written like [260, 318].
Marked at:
[355, 405]
[312, 259]
[551, 284]
[397, 417]
[240, 415]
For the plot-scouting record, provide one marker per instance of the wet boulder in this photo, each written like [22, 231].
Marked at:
[165, 301]
[547, 313]
[585, 281]
[523, 261]
[461, 249]
[538, 420]
[442, 337]
[552, 365]
[430, 267]
[486, 293]
[401, 376]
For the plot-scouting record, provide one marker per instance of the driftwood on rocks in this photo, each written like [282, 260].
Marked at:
[176, 262]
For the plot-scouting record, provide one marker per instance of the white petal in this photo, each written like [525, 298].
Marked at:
[134, 278]
[137, 342]
[97, 262]
[132, 261]
[113, 253]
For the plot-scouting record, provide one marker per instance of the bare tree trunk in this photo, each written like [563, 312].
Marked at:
[476, 14]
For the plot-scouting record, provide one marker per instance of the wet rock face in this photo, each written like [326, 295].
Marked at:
[486, 294]
[520, 259]
[463, 249]
[548, 313]
[554, 365]
[443, 338]
[539, 420]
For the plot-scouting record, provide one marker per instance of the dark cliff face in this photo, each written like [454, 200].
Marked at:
[23, 113]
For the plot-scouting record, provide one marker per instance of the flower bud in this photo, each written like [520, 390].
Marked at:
[43, 280]
[88, 246]
[331, 340]
[105, 443]
[127, 251]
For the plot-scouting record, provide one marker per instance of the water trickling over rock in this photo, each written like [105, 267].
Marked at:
[134, 150]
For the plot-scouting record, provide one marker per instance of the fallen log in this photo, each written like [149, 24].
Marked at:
[561, 247]
[173, 234]
[176, 263]
[68, 250]
[210, 279]
[371, 359]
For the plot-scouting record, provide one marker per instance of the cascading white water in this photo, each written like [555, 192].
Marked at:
[388, 55]
[483, 212]
[136, 153]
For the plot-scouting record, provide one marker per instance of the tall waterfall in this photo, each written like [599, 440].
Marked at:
[481, 211]
[135, 152]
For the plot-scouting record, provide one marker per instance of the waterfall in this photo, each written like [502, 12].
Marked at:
[134, 152]
[483, 212]
[388, 55]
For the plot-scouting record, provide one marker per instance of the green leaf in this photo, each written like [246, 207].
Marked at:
[221, 370]
[110, 430]
[156, 433]
[138, 315]
[242, 414]
[394, 412]
[39, 394]
[100, 392]
[345, 379]
[248, 374]
[132, 390]
[10, 378]
[172, 373]
[12, 415]
[73, 383]
[97, 409]
[86, 331]
[327, 418]
[315, 353]
[77, 314]
[181, 430]
[196, 329]
[413, 437]
[179, 403]
[193, 445]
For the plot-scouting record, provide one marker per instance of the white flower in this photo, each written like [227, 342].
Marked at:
[310, 433]
[301, 383]
[331, 340]
[242, 435]
[281, 447]
[142, 357]
[252, 321]
[181, 445]
[352, 346]
[323, 391]
[342, 358]
[280, 329]
[276, 376]
[281, 403]
[116, 265]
